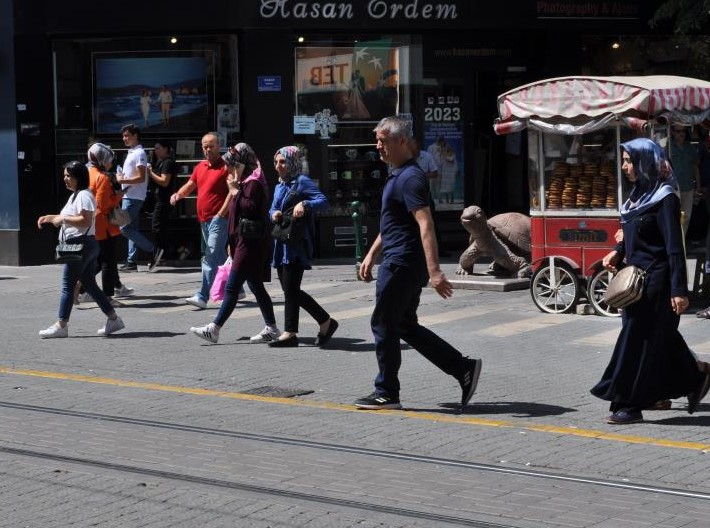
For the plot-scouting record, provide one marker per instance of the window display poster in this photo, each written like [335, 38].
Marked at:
[157, 93]
[355, 83]
[186, 149]
[444, 139]
[227, 123]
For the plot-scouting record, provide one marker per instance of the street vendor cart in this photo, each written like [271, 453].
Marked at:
[574, 128]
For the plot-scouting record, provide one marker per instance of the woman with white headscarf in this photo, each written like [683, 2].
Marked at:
[101, 159]
[651, 361]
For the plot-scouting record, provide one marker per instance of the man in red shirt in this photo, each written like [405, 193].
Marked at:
[210, 180]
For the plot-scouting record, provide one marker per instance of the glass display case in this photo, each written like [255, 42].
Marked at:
[576, 174]
[353, 173]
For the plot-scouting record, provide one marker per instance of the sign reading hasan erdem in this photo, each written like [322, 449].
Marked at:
[373, 9]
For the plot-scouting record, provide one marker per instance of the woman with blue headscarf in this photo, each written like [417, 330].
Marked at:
[296, 196]
[651, 361]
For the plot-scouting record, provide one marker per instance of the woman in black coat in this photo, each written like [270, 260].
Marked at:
[651, 361]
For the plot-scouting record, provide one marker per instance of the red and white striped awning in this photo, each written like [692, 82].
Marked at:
[574, 105]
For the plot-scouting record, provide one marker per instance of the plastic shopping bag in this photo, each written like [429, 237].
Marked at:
[220, 280]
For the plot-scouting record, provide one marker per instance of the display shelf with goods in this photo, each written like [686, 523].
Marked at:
[354, 173]
[187, 207]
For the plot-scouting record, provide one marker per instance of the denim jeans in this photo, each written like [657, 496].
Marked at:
[231, 291]
[395, 317]
[131, 231]
[214, 236]
[86, 272]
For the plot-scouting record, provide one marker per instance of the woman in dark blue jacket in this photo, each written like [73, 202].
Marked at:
[651, 361]
[297, 197]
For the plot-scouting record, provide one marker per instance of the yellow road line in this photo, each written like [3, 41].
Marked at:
[413, 414]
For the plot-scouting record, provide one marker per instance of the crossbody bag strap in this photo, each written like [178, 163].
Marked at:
[64, 234]
[653, 262]
[290, 198]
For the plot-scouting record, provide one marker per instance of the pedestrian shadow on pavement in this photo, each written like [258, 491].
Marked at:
[177, 270]
[162, 301]
[514, 409]
[135, 335]
[159, 304]
[695, 419]
[350, 344]
[346, 344]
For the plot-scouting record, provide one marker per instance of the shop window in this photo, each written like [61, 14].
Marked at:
[169, 90]
[342, 90]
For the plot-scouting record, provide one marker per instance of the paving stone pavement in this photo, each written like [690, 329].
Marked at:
[151, 427]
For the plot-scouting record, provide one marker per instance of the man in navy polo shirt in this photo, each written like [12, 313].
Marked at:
[408, 245]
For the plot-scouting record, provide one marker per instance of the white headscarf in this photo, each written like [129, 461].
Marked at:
[99, 155]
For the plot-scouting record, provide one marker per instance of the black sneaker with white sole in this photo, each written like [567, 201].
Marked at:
[378, 401]
[469, 380]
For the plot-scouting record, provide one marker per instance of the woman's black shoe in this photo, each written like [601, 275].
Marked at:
[625, 416]
[322, 339]
[282, 343]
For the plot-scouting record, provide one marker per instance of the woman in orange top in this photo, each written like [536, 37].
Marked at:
[100, 160]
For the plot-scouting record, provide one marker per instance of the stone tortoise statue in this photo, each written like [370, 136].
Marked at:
[504, 237]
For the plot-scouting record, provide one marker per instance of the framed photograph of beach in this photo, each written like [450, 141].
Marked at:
[162, 92]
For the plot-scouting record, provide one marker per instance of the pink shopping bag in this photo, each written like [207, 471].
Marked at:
[220, 280]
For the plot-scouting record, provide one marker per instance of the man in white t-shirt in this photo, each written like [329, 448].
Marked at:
[135, 181]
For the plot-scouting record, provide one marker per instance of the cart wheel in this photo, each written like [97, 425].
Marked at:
[596, 290]
[555, 289]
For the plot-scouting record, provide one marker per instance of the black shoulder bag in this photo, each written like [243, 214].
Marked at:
[288, 229]
[72, 249]
[252, 229]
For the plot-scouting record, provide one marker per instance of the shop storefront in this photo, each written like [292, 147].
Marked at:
[279, 72]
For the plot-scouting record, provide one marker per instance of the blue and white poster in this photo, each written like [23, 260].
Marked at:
[444, 140]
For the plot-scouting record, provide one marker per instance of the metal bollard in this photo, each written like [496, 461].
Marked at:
[357, 225]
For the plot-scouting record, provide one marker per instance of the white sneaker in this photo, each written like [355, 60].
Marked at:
[111, 326]
[83, 298]
[268, 334]
[196, 302]
[55, 330]
[123, 291]
[208, 333]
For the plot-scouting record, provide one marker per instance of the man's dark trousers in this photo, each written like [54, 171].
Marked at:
[395, 317]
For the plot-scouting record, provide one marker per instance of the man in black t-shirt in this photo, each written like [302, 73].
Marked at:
[162, 184]
[409, 260]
